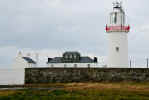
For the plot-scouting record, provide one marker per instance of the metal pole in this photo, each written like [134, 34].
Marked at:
[147, 62]
[130, 63]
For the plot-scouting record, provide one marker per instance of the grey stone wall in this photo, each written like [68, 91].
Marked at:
[65, 75]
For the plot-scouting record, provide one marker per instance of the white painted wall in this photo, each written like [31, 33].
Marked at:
[19, 62]
[15, 74]
[69, 65]
[117, 58]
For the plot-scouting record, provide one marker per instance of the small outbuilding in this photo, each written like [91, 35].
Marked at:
[24, 61]
[72, 59]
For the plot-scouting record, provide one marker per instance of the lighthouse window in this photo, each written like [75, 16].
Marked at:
[122, 20]
[115, 17]
[117, 49]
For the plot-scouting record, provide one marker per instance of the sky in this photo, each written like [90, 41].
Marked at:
[51, 27]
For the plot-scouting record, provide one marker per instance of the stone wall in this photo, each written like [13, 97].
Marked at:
[65, 75]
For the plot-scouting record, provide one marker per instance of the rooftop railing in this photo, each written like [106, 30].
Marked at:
[117, 29]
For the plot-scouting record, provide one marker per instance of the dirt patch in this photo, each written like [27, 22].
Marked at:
[100, 86]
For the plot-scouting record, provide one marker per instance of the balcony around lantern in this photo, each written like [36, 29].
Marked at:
[110, 29]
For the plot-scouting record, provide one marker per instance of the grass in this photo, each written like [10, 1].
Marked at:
[82, 91]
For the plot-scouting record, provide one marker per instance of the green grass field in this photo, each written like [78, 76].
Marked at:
[82, 91]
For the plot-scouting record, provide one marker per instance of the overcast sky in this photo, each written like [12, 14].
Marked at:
[51, 27]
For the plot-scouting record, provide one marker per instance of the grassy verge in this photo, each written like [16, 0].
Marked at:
[82, 91]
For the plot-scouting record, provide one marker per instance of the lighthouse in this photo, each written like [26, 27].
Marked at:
[117, 31]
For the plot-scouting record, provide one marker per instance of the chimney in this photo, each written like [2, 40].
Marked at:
[49, 59]
[95, 59]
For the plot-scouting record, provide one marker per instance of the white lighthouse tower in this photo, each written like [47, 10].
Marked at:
[117, 38]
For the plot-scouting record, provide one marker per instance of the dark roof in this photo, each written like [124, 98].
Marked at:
[29, 60]
[56, 60]
[72, 52]
[86, 60]
[82, 60]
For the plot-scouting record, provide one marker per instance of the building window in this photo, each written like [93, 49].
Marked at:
[75, 57]
[65, 65]
[75, 65]
[66, 56]
[117, 49]
[52, 65]
[29, 65]
[70, 56]
[88, 65]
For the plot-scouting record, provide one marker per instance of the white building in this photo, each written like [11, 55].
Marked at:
[23, 61]
[15, 75]
[117, 38]
[72, 59]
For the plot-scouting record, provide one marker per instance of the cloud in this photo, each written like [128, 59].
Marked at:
[61, 25]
